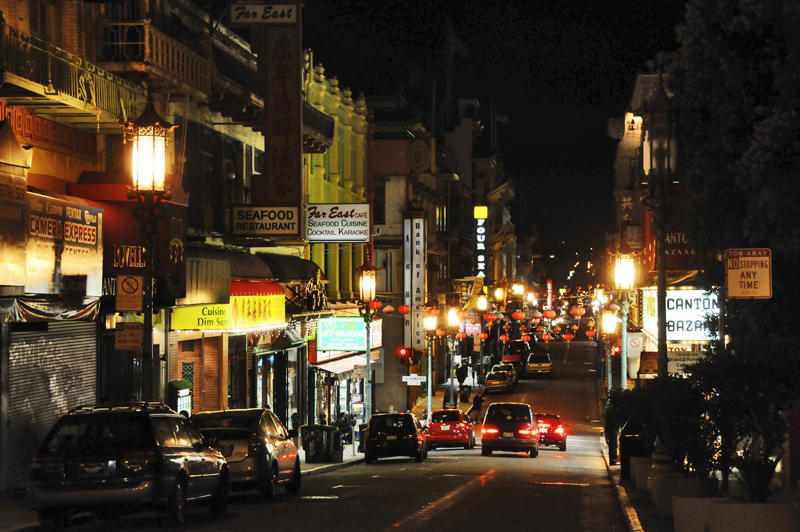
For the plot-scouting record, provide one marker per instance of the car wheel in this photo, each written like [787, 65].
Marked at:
[486, 452]
[177, 504]
[219, 501]
[270, 487]
[534, 452]
[418, 457]
[297, 478]
[370, 458]
[563, 446]
[472, 442]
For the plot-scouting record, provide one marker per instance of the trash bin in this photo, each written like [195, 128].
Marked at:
[322, 443]
[464, 392]
[631, 443]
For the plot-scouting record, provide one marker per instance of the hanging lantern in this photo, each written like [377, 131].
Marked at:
[518, 315]
[549, 314]
[504, 338]
[523, 328]
[539, 330]
[433, 311]
[525, 338]
[577, 311]
[574, 328]
[506, 327]
[375, 304]
[490, 316]
[536, 315]
[568, 337]
[546, 337]
[461, 335]
[440, 332]
[404, 309]
[590, 333]
[556, 329]
[462, 315]
[484, 336]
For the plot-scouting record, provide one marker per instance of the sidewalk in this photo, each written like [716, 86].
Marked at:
[15, 515]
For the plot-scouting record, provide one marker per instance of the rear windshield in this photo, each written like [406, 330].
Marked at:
[551, 420]
[497, 376]
[445, 417]
[500, 413]
[539, 359]
[225, 421]
[98, 434]
[517, 347]
[392, 423]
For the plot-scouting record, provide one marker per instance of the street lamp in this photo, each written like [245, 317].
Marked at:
[369, 306]
[624, 275]
[148, 136]
[609, 327]
[430, 327]
[498, 296]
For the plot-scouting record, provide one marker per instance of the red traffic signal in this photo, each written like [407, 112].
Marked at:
[403, 352]
[617, 349]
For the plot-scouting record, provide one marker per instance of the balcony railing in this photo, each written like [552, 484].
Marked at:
[126, 43]
[48, 71]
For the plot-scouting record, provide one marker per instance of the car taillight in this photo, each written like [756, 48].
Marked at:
[256, 446]
[138, 462]
[544, 425]
[559, 430]
[528, 431]
[489, 430]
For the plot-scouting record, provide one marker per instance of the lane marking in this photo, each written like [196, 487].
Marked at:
[578, 484]
[319, 497]
[344, 486]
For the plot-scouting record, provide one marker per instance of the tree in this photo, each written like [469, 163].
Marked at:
[736, 83]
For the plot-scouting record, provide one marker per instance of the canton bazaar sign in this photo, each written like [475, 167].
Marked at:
[687, 311]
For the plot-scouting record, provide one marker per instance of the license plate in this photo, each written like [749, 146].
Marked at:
[391, 437]
[508, 434]
[445, 427]
[95, 469]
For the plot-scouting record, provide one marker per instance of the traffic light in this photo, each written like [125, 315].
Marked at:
[617, 349]
[404, 353]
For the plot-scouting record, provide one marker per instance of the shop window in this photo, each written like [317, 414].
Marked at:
[187, 371]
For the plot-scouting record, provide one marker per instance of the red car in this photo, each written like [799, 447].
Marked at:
[450, 428]
[552, 431]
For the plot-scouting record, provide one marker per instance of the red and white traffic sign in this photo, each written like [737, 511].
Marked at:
[748, 273]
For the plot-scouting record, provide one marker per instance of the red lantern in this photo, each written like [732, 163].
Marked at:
[518, 315]
[375, 304]
[568, 336]
[462, 315]
[540, 329]
[546, 337]
[557, 329]
[506, 327]
[490, 316]
[523, 328]
[590, 333]
[549, 314]
[461, 335]
[525, 338]
[484, 336]
[440, 332]
[577, 311]
[504, 338]
[536, 315]
[404, 309]
[433, 311]
[574, 328]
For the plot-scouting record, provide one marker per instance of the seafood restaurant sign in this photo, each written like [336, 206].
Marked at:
[337, 222]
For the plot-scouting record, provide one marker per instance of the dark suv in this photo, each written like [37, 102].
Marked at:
[398, 434]
[509, 427]
[125, 458]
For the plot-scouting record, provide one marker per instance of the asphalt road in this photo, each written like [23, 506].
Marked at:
[453, 489]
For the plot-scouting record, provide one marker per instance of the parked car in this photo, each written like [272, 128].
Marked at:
[125, 457]
[259, 450]
[509, 368]
[498, 381]
[398, 434]
[540, 364]
[551, 430]
[509, 427]
[450, 428]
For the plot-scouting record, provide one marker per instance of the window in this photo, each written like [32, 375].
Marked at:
[171, 432]
[280, 431]
[445, 417]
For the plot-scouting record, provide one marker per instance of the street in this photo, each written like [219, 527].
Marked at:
[453, 488]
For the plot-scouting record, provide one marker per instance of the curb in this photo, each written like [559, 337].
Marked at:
[329, 467]
[631, 516]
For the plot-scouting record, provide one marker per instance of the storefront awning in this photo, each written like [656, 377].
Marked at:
[288, 268]
[341, 366]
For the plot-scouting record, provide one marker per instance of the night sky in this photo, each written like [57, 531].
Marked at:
[558, 69]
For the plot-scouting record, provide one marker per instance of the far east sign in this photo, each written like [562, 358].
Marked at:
[748, 273]
[337, 222]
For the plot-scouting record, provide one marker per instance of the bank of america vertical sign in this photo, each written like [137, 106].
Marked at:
[414, 275]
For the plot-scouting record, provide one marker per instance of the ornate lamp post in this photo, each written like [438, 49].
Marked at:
[148, 136]
[367, 309]
[430, 328]
[453, 325]
[624, 274]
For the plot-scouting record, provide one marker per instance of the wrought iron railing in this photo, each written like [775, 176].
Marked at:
[60, 72]
[140, 42]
